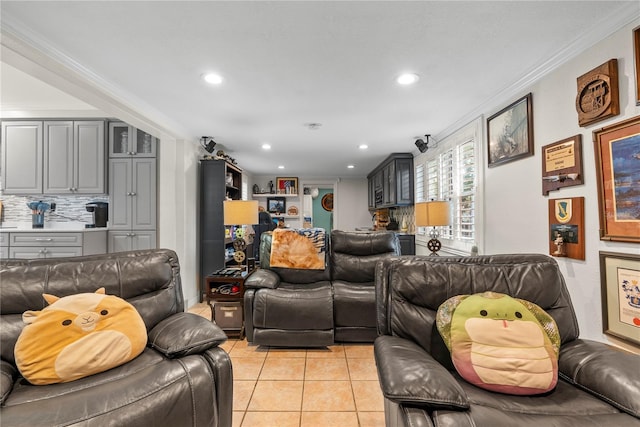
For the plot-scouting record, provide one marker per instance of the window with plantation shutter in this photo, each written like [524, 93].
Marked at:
[448, 171]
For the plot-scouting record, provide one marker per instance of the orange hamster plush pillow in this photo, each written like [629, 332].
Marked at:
[77, 336]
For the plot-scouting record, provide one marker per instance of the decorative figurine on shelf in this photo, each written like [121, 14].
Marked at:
[270, 187]
[559, 245]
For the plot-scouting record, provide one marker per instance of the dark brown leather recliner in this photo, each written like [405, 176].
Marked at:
[598, 385]
[312, 308]
[182, 378]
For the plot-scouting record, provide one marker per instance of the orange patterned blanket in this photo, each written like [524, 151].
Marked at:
[302, 248]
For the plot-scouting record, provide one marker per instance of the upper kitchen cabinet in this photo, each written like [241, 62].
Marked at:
[22, 157]
[127, 141]
[391, 182]
[53, 157]
[74, 157]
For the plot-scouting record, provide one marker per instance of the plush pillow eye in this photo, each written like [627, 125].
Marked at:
[66, 322]
[518, 315]
[105, 312]
[483, 313]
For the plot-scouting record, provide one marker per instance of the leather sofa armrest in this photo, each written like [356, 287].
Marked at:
[262, 279]
[183, 334]
[8, 375]
[603, 371]
[409, 375]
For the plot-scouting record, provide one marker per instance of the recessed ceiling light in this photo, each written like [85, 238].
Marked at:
[212, 78]
[363, 146]
[266, 146]
[407, 79]
[281, 167]
[350, 166]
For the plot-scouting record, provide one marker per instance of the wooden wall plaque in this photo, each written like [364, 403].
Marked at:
[566, 217]
[562, 164]
[598, 96]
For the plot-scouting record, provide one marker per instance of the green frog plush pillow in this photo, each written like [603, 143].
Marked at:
[500, 343]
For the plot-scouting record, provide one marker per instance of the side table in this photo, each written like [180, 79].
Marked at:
[225, 295]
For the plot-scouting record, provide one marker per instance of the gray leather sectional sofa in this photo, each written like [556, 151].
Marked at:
[182, 378]
[312, 308]
[598, 385]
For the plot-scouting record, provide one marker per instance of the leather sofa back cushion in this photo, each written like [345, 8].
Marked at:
[149, 280]
[532, 277]
[354, 255]
[500, 343]
[77, 336]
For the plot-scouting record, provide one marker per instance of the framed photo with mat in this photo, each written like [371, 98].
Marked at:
[510, 132]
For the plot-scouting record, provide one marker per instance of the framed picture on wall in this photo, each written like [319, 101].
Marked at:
[276, 205]
[617, 153]
[510, 132]
[620, 280]
[287, 185]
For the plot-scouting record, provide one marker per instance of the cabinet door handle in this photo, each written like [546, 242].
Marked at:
[133, 194]
[42, 239]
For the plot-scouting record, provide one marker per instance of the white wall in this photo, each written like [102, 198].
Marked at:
[515, 210]
[351, 204]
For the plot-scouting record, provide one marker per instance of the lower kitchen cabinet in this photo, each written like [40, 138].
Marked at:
[32, 252]
[32, 245]
[131, 240]
[44, 245]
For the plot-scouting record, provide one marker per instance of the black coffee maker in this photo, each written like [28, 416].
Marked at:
[100, 214]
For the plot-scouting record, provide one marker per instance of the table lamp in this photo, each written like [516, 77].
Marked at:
[240, 212]
[432, 214]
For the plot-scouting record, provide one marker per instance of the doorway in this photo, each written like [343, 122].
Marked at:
[322, 217]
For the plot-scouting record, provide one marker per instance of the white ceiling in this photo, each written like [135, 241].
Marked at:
[288, 63]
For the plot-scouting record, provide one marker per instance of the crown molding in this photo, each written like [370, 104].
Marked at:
[30, 53]
[617, 19]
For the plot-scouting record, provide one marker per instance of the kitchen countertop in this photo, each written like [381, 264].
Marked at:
[72, 226]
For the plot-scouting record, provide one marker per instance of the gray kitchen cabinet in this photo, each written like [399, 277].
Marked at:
[131, 240]
[4, 245]
[44, 245]
[127, 141]
[391, 182]
[74, 157]
[132, 193]
[132, 189]
[22, 157]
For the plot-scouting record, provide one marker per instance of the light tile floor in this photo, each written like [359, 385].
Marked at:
[334, 386]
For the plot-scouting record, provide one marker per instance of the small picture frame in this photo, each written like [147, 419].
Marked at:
[286, 185]
[510, 132]
[620, 280]
[618, 181]
[276, 205]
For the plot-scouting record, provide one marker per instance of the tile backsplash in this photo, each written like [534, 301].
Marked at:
[68, 207]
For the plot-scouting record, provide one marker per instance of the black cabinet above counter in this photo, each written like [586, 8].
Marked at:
[391, 182]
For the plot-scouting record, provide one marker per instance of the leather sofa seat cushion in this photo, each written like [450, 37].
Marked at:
[354, 304]
[566, 406]
[294, 307]
[107, 396]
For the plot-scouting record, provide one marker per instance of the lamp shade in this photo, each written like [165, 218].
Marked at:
[240, 212]
[430, 214]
